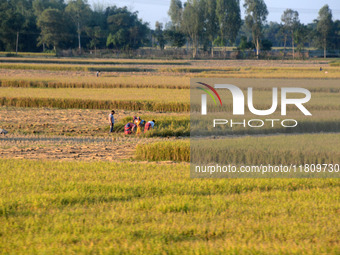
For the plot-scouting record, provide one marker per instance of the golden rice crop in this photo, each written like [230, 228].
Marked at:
[94, 104]
[116, 94]
[92, 84]
[281, 149]
[164, 151]
[24, 79]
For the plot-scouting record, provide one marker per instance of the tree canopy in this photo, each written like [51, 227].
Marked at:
[257, 13]
[324, 26]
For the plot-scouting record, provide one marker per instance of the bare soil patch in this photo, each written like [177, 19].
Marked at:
[70, 148]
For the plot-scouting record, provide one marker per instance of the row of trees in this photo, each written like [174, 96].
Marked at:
[51, 24]
[35, 25]
[212, 23]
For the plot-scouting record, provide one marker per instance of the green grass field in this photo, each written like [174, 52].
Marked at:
[127, 208]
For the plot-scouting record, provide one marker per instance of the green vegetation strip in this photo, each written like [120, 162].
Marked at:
[117, 208]
[94, 104]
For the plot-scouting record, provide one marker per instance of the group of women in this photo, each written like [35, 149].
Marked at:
[138, 125]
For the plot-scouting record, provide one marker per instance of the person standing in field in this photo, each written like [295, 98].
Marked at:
[112, 120]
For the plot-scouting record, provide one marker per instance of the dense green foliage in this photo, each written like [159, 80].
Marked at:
[324, 26]
[290, 19]
[126, 31]
[56, 30]
[257, 13]
[57, 25]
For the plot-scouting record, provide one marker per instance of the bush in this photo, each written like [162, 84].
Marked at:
[266, 45]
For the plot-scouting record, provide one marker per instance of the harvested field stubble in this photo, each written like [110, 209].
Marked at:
[67, 149]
